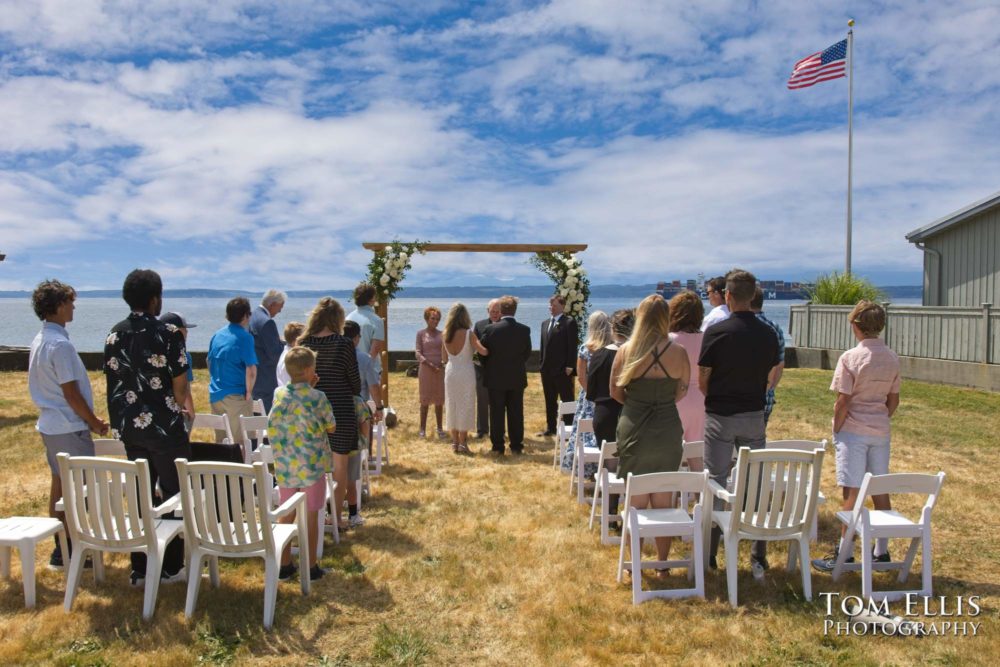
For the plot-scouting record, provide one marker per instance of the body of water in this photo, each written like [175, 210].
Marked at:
[94, 317]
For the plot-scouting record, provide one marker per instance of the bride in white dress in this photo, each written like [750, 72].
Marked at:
[460, 377]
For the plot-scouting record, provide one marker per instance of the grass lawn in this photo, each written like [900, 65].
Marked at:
[469, 560]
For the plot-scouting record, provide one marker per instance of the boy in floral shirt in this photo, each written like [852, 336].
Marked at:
[300, 419]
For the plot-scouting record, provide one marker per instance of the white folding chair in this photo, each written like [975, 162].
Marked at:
[607, 484]
[218, 423]
[252, 429]
[582, 455]
[109, 507]
[225, 516]
[876, 524]
[774, 499]
[563, 430]
[639, 524]
[379, 446]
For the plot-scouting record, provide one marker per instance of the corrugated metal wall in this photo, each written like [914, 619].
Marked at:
[954, 334]
[970, 263]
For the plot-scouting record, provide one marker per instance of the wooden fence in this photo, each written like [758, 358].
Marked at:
[953, 334]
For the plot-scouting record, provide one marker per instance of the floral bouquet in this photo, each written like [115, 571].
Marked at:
[571, 281]
[389, 265]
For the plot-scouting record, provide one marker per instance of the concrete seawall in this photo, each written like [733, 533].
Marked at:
[957, 373]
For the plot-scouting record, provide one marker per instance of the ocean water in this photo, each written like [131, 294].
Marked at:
[94, 317]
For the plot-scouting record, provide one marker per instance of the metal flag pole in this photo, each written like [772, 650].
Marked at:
[850, 134]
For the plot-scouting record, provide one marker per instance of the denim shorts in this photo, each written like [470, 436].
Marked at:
[858, 454]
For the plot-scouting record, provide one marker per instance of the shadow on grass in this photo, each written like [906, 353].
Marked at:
[17, 421]
[405, 473]
[385, 538]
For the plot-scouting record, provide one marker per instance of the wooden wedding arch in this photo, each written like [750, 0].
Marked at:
[383, 308]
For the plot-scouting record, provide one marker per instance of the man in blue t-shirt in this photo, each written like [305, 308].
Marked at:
[232, 367]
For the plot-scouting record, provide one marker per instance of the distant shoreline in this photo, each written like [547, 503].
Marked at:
[482, 291]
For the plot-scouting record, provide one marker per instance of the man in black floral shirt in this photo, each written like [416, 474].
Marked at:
[145, 363]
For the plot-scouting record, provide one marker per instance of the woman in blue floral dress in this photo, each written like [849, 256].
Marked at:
[598, 335]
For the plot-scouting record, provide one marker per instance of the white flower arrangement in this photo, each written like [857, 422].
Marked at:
[571, 281]
[388, 268]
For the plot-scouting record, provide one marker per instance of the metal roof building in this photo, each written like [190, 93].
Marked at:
[962, 256]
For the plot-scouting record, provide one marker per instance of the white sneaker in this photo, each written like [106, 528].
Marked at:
[757, 569]
[356, 520]
[174, 578]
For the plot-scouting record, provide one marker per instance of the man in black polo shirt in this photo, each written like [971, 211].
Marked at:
[737, 356]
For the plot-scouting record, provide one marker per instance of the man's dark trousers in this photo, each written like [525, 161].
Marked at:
[556, 387]
[511, 403]
[162, 468]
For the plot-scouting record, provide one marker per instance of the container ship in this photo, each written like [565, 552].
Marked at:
[774, 290]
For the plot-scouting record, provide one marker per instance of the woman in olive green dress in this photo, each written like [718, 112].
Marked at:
[650, 374]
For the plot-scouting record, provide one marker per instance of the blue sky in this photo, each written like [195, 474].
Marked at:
[249, 144]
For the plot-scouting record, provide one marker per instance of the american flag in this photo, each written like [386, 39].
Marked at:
[820, 66]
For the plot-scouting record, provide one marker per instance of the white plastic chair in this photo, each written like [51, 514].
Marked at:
[216, 423]
[639, 524]
[875, 524]
[24, 533]
[693, 450]
[774, 499]
[109, 447]
[224, 516]
[581, 456]
[563, 430]
[252, 428]
[379, 445]
[607, 484]
[803, 446]
[109, 507]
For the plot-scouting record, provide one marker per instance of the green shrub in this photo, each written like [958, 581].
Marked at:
[843, 289]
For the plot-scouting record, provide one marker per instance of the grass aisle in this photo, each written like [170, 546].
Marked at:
[470, 560]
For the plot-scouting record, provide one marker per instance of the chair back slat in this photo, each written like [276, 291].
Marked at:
[903, 482]
[793, 473]
[609, 452]
[237, 514]
[666, 482]
[775, 502]
[693, 450]
[219, 423]
[253, 524]
[585, 425]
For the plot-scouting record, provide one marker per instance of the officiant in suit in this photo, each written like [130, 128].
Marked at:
[559, 342]
[509, 343]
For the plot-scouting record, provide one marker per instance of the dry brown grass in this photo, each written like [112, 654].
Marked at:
[467, 560]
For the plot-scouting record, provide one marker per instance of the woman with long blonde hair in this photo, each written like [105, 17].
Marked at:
[598, 336]
[337, 368]
[650, 374]
[460, 376]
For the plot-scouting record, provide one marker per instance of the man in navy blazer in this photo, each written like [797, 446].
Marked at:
[267, 344]
[509, 343]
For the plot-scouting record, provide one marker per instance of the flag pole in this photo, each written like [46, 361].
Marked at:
[850, 134]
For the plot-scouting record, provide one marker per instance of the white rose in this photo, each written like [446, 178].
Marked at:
[571, 272]
[384, 280]
[404, 256]
[388, 248]
[563, 291]
[572, 295]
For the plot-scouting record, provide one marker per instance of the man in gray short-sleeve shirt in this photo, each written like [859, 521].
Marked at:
[60, 388]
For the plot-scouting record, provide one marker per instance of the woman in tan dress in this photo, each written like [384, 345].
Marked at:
[429, 346]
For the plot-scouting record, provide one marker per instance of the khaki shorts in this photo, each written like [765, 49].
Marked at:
[232, 406]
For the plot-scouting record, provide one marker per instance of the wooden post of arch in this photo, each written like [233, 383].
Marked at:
[383, 308]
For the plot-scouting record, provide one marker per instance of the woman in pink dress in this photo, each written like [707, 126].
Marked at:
[686, 313]
[430, 373]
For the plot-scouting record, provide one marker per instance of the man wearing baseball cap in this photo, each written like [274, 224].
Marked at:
[177, 320]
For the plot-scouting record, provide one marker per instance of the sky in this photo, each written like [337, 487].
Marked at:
[252, 144]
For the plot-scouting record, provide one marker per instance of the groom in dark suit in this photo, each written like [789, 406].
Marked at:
[509, 343]
[559, 342]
